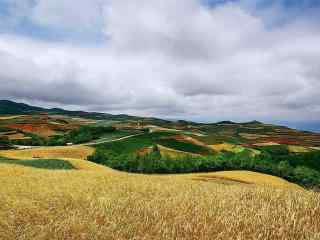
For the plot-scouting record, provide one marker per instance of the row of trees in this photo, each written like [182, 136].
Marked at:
[300, 172]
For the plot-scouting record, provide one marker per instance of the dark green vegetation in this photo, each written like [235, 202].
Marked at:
[53, 164]
[4, 143]
[4, 129]
[301, 168]
[184, 146]
[81, 135]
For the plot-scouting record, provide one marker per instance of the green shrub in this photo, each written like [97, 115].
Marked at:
[300, 173]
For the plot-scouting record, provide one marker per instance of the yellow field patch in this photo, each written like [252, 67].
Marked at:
[155, 128]
[265, 144]
[10, 117]
[74, 152]
[298, 149]
[227, 147]
[18, 136]
[315, 148]
[251, 136]
[248, 177]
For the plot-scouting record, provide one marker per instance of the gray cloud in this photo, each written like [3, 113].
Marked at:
[170, 59]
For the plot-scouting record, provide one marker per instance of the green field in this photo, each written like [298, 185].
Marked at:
[131, 145]
[184, 146]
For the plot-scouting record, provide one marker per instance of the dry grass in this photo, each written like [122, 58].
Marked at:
[315, 148]
[10, 117]
[96, 202]
[298, 149]
[251, 136]
[263, 144]
[77, 152]
[248, 178]
[105, 204]
[18, 136]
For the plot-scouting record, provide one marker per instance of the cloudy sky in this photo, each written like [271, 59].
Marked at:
[204, 60]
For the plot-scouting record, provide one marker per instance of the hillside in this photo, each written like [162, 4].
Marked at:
[95, 202]
[60, 178]
[151, 145]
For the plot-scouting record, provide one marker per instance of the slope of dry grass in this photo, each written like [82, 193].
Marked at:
[96, 202]
[103, 205]
[77, 152]
[248, 177]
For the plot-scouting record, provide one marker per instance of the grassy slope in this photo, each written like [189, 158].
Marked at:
[46, 204]
[131, 145]
[76, 152]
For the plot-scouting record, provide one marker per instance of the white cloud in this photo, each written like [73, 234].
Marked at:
[169, 58]
[80, 15]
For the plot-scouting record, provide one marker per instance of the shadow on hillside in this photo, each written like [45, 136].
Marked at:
[53, 164]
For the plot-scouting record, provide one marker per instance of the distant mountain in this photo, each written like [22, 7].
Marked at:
[10, 107]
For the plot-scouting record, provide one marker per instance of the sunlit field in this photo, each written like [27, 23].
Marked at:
[77, 152]
[95, 202]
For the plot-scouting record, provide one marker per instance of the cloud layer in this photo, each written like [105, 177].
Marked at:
[168, 58]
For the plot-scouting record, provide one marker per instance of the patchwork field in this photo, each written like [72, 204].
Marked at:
[55, 189]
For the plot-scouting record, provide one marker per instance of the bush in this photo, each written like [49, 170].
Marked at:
[81, 135]
[300, 172]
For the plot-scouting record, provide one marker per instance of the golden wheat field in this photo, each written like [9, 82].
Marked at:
[95, 202]
[226, 147]
[77, 152]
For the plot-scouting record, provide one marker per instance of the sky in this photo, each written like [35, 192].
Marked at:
[201, 60]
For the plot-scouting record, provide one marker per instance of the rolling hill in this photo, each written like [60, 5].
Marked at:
[73, 175]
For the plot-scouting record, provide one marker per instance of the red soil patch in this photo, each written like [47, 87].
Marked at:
[283, 141]
[144, 151]
[42, 129]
